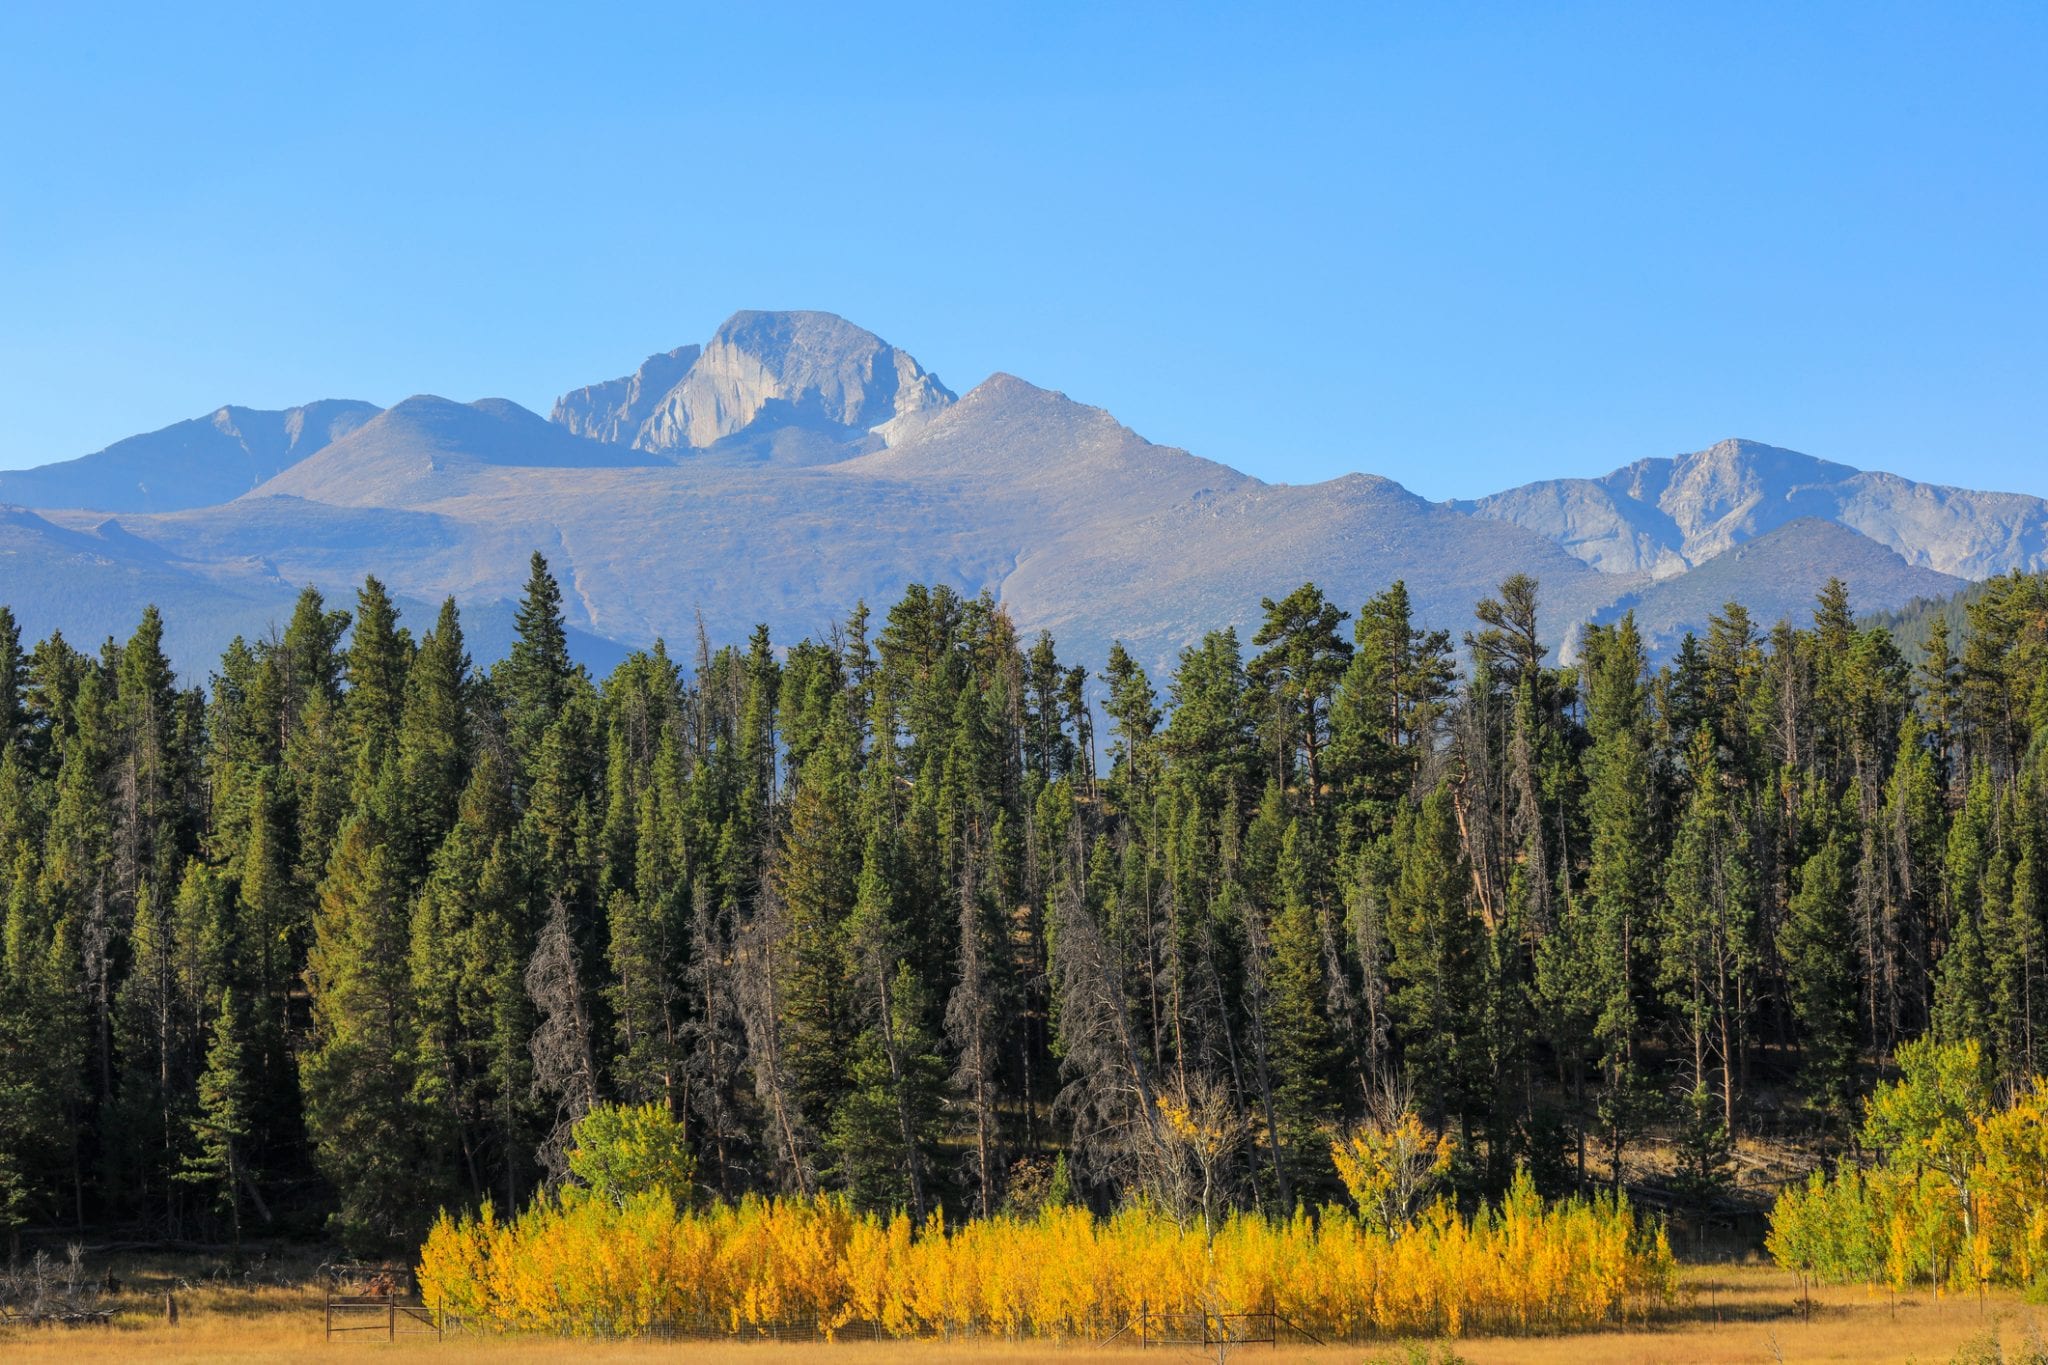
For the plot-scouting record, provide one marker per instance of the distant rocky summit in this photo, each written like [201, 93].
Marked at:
[758, 369]
[1665, 516]
[796, 462]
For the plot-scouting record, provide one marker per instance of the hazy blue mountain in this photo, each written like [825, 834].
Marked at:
[93, 582]
[189, 464]
[426, 449]
[1071, 519]
[796, 463]
[1777, 576]
[1664, 516]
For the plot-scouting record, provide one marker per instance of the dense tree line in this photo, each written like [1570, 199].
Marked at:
[363, 930]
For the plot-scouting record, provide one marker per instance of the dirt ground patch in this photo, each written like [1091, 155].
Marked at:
[1729, 1313]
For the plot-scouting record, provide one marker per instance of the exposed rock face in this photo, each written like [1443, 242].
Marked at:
[760, 369]
[616, 410]
[796, 464]
[1664, 516]
[190, 464]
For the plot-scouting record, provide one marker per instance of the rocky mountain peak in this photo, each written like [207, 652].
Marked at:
[797, 368]
[616, 410]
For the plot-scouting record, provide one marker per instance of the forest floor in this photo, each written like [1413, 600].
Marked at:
[1728, 1313]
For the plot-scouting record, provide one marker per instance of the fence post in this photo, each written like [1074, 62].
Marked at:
[1144, 1315]
[391, 1317]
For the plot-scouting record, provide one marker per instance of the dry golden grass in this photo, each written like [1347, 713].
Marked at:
[1731, 1314]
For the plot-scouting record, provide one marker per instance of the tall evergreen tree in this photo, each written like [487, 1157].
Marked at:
[372, 1137]
[533, 681]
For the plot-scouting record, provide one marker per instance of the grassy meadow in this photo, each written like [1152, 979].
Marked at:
[1726, 1313]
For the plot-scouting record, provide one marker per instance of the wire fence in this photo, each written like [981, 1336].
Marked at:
[1151, 1328]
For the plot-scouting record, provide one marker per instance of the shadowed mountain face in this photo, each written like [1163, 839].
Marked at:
[1777, 576]
[191, 464]
[796, 463]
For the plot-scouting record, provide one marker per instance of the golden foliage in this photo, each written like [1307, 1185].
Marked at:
[1389, 1167]
[582, 1265]
[1960, 1198]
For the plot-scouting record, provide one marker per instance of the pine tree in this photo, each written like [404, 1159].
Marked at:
[890, 1119]
[1962, 987]
[648, 936]
[372, 1137]
[471, 938]
[1706, 931]
[533, 681]
[149, 801]
[1303, 1050]
[42, 1056]
[1302, 661]
[1817, 946]
[221, 1127]
[1132, 707]
[378, 659]
[1435, 961]
[1621, 884]
[1384, 717]
[13, 684]
[433, 743]
[815, 877]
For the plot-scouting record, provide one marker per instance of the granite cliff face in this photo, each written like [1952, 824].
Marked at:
[617, 409]
[760, 369]
[797, 463]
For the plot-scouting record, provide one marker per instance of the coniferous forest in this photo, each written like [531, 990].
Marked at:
[925, 913]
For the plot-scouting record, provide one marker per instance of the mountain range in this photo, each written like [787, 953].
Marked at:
[795, 463]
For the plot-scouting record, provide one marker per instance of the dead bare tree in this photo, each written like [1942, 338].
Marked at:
[972, 1027]
[713, 1033]
[757, 992]
[1109, 1097]
[564, 1063]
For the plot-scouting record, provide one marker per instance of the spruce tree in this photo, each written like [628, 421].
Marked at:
[1706, 930]
[1621, 884]
[1435, 961]
[815, 876]
[13, 684]
[534, 678]
[433, 744]
[1303, 1050]
[221, 1126]
[1817, 947]
[372, 1137]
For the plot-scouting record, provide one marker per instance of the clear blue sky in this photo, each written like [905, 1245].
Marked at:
[1459, 245]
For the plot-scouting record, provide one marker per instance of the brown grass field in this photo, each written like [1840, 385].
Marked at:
[1730, 1313]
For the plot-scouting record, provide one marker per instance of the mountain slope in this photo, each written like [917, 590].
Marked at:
[428, 448]
[1071, 519]
[1664, 516]
[797, 463]
[92, 583]
[190, 464]
[1777, 576]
